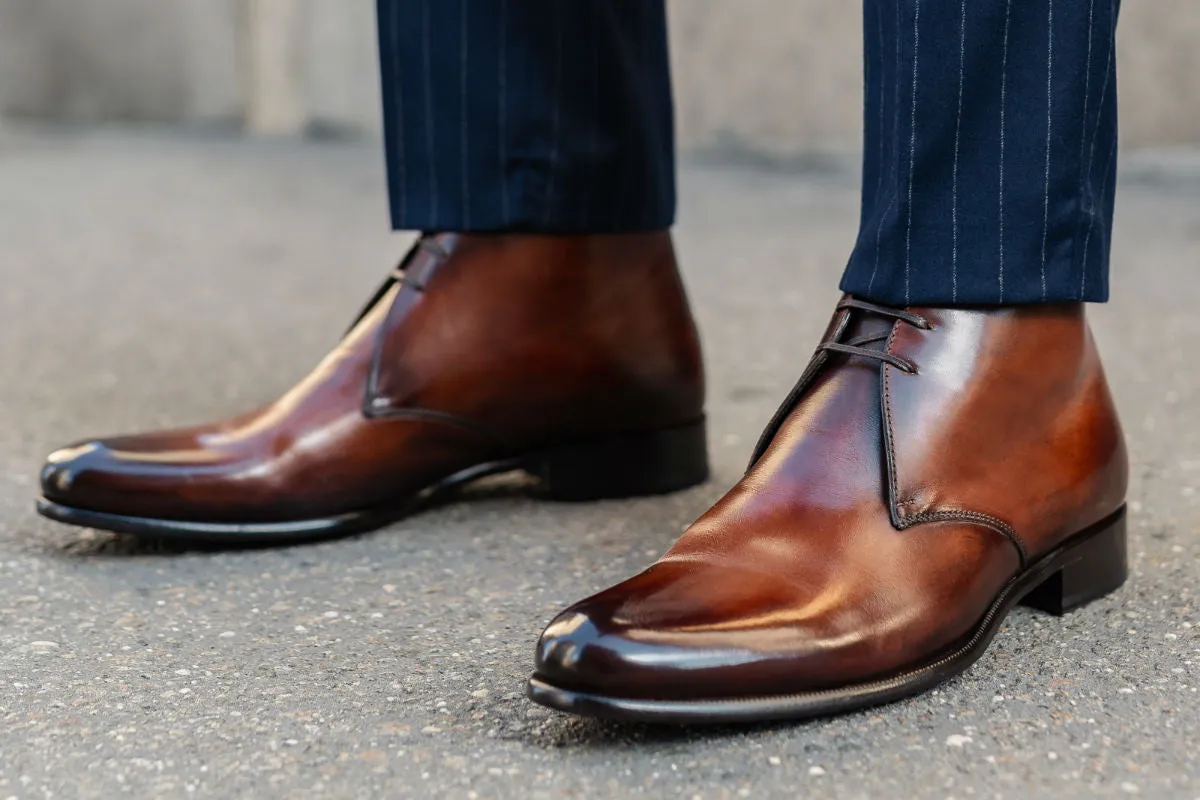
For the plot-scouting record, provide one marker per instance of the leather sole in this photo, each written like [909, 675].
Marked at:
[1086, 567]
[632, 465]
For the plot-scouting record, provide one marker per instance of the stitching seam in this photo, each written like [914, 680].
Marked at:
[896, 507]
[894, 490]
[986, 520]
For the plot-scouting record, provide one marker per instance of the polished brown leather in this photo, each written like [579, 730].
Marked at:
[883, 515]
[487, 346]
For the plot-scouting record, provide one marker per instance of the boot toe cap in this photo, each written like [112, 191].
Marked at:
[112, 477]
[68, 472]
[689, 630]
[639, 641]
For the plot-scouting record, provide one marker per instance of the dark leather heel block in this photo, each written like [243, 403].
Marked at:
[627, 466]
[1093, 568]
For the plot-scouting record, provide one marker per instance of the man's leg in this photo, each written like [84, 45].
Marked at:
[948, 452]
[540, 323]
[528, 115]
[990, 160]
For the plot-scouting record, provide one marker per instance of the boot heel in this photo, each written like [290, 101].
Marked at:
[1091, 569]
[626, 466]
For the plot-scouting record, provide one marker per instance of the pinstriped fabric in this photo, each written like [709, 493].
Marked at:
[502, 115]
[1003, 129]
[867, 75]
[427, 76]
[464, 98]
[1083, 123]
[556, 113]
[530, 115]
[645, 53]
[587, 199]
[1049, 136]
[1093, 264]
[892, 138]
[1101, 213]
[546, 115]
[393, 112]
[883, 140]
[1002, 203]
[1105, 193]
[912, 147]
[628, 135]
[962, 58]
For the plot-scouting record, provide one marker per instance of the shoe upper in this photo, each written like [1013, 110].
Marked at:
[891, 500]
[481, 348]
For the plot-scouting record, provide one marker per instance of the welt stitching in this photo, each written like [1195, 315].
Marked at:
[887, 413]
[987, 520]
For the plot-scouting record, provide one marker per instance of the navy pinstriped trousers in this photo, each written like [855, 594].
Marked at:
[989, 151]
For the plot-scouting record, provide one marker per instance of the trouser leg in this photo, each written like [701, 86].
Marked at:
[527, 115]
[990, 152]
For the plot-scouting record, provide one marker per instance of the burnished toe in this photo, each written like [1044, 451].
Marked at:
[68, 471]
[585, 650]
[932, 468]
[655, 637]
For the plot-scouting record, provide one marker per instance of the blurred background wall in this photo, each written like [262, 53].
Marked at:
[778, 77]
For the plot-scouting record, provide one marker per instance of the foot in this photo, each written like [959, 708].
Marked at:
[932, 468]
[574, 358]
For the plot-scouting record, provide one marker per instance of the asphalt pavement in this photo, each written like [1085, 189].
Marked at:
[155, 279]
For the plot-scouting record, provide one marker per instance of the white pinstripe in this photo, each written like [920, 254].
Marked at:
[560, 33]
[466, 186]
[912, 144]
[502, 106]
[879, 182]
[426, 48]
[1003, 103]
[895, 146]
[1049, 141]
[962, 57]
[1108, 71]
[1087, 90]
[1087, 240]
[398, 104]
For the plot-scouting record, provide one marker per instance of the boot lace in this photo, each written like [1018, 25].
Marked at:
[855, 347]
